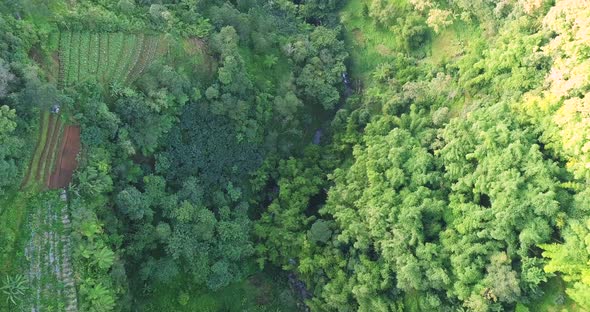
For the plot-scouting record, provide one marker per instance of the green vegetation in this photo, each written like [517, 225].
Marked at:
[318, 155]
[259, 292]
[41, 143]
[42, 163]
[106, 57]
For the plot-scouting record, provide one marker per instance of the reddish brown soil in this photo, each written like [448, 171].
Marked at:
[66, 161]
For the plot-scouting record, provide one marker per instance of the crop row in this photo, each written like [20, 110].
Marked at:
[38, 149]
[54, 150]
[84, 66]
[134, 59]
[110, 57]
[74, 62]
[93, 54]
[148, 54]
[117, 43]
[52, 136]
[65, 40]
[48, 256]
[103, 55]
[129, 50]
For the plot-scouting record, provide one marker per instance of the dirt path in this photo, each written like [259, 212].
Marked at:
[66, 161]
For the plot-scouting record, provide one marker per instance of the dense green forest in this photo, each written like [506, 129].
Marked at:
[305, 155]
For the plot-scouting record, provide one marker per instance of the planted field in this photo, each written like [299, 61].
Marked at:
[42, 162]
[52, 134]
[106, 57]
[150, 48]
[48, 254]
[32, 171]
[50, 162]
[65, 40]
[73, 59]
[66, 160]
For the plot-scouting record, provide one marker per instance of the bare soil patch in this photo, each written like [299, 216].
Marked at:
[383, 50]
[66, 161]
[359, 37]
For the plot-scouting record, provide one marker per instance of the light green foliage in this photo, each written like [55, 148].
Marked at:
[503, 196]
[98, 298]
[389, 216]
[572, 259]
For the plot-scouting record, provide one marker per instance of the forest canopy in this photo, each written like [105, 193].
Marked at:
[318, 155]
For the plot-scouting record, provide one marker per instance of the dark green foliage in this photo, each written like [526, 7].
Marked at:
[320, 231]
[206, 145]
[206, 243]
[10, 146]
[282, 226]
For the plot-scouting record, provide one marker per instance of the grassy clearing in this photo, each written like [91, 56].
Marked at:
[259, 292]
[452, 43]
[265, 75]
[189, 56]
[370, 44]
[554, 298]
[411, 301]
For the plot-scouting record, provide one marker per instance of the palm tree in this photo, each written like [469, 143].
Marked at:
[14, 288]
[99, 297]
[104, 257]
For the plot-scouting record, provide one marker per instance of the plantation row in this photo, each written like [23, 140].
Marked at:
[107, 57]
[48, 254]
[42, 163]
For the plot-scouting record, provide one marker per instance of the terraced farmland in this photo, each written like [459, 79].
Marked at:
[48, 252]
[42, 162]
[106, 57]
